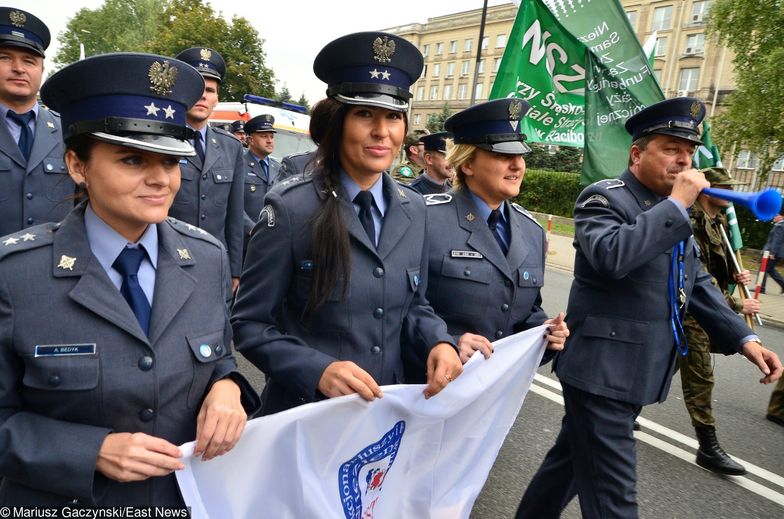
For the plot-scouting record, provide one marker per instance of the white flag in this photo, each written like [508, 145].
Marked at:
[398, 456]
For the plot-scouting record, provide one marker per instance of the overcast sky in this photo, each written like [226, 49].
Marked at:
[294, 30]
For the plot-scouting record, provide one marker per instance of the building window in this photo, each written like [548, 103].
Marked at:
[424, 71]
[661, 46]
[496, 64]
[747, 160]
[462, 90]
[485, 41]
[447, 92]
[657, 75]
[662, 17]
[437, 70]
[478, 91]
[417, 118]
[439, 49]
[434, 92]
[500, 41]
[468, 45]
[481, 66]
[688, 83]
[450, 69]
[464, 67]
[632, 16]
[695, 44]
[426, 50]
[699, 10]
[779, 164]
[452, 46]
[420, 93]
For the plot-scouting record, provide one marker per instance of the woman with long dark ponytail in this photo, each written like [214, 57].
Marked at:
[332, 292]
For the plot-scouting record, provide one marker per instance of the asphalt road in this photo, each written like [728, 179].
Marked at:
[670, 484]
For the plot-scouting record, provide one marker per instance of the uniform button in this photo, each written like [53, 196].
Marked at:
[612, 333]
[378, 272]
[533, 280]
[378, 313]
[204, 177]
[504, 307]
[204, 197]
[146, 414]
[499, 334]
[668, 223]
[219, 349]
[145, 363]
[54, 380]
[375, 349]
[204, 217]
[30, 220]
[29, 196]
[467, 272]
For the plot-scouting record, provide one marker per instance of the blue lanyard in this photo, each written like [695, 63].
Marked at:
[677, 299]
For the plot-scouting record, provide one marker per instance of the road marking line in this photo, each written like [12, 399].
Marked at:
[685, 455]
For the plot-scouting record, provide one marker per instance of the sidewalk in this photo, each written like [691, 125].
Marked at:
[560, 256]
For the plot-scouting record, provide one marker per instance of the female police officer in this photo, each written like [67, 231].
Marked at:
[114, 332]
[486, 262]
[336, 267]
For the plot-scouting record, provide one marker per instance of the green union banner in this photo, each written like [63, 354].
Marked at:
[595, 70]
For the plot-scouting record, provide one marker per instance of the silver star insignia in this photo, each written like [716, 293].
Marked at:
[191, 227]
[169, 111]
[374, 73]
[152, 109]
[385, 75]
[28, 237]
[49, 124]
[11, 241]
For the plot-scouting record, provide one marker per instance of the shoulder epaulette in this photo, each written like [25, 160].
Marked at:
[437, 199]
[221, 131]
[292, 181]
[519, 209]
[610, 183]
[28, 239]
[192, 231]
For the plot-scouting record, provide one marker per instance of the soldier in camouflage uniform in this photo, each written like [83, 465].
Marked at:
[697, 366]
[414, 163]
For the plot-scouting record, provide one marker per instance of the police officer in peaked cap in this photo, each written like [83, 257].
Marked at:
[35, 185]
[636, 271]
[237, 128]
[436, 176]
[332, 292]
[211, 195]
[114, 334]
[261, 169]
[478, 231]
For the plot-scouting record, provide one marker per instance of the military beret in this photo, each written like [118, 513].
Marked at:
[436, 141]
[493, 126]
[679, 117]
[21, 29]
[208, 62]
[130, 99]
[260, 123]
[412, 139]
[370, 68]
[720, 177]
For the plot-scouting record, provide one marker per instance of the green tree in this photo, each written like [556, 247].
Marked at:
[435, 122]
[116, 26]
[752, 30]
[284, 96]
[303, 101]
[564, 159]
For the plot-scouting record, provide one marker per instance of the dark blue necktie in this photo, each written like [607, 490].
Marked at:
[364, 200]
[265, 170]
[26, 137]
[492, 222]
[197, 145]
[127, 264]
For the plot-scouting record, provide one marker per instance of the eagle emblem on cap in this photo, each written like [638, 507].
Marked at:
[515, 107]
[383, 48]
[17, 18]
[695, 109]
[162, 77]
[205, 54]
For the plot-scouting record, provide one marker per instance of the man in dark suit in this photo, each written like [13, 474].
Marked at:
[261, 169]
[210, 195]
[636, 271]
[34, 185]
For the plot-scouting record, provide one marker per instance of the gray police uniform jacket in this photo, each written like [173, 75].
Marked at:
[621, 343]
[296, 164]
[256, 186]
[424, 186]
[384, 310]
[471, 284]
[211, 194]
[76, 365]
[38, 190]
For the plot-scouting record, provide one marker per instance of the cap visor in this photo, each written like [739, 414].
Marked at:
[691, 137]
[506, 148]
[370, 99]
[6, 42]
[146, 142]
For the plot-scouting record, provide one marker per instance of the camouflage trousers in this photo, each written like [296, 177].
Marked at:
[697, 380]
[776, 405]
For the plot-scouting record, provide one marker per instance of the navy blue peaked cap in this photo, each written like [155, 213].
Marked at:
[208, 62]
[21, 29]
[130, 99]
[370, 68]
[260, 123]
[679, 117]
[238, 126]
[436, 141]
[493, 126]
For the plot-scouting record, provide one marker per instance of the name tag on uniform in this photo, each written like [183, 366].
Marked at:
[471, 254]
[59, 350]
